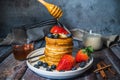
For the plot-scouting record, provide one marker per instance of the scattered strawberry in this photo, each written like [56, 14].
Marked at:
[66, 63]
[83, 54]
[58, 30]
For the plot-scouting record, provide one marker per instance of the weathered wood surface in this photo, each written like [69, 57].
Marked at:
[11, 69]
[4, 52]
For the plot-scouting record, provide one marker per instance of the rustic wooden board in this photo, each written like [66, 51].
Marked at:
[5, 51]
[9, 65]
[116, 50]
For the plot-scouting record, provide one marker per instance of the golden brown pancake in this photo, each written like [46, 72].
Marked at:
[56, 48]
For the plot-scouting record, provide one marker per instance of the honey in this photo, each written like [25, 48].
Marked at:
[21, 51]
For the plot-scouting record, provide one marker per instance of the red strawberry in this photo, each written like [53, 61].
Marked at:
[83, 54]
[66, 62]
[58, 30]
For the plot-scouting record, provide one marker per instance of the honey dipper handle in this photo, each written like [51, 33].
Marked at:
[46, 4]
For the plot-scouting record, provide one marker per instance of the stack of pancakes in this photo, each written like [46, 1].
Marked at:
[56, 48]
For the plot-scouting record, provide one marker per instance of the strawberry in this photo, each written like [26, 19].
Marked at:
[66, 63]
[58, 30]
[83, 54]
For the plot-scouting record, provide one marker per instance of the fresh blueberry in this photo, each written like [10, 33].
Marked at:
[53, 66]
[82, 64]
[56, 36]
[74, 68]
[45, 65]
[50, 35]
[40, 63]
[36, 66]
[48, 69]
[69, 35]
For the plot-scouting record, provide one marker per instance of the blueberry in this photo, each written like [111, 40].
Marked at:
[69, 35]
[82, 64]
[53, 66]
[56, 36]
[36, 66]
[74, 68]
[50, 35]
[48, 69]
[40, 63]
[45, 65]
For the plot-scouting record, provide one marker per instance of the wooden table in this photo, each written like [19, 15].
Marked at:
[11, 69]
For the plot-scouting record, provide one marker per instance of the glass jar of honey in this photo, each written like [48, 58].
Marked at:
[20, 52]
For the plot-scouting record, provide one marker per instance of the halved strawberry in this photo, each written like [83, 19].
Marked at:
[83, 54]
[58, 30]
[66, 63]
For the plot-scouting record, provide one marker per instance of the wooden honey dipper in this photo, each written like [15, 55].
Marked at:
[54, 10]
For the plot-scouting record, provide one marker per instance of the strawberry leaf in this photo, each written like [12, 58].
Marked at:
[89, 50]
[84, 51]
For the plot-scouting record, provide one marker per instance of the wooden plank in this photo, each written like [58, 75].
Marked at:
[7, 67]
[113, 60]
[106, 55]
[19, 71]
[5, 52]
[29, 75]
[116, 50]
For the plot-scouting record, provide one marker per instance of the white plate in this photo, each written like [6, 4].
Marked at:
[55, 74]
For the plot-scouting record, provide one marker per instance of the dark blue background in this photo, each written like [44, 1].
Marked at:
[102, 16]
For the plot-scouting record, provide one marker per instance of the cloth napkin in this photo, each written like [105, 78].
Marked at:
[21, 36]
[109, 41]
[26, 35]
[29, 33]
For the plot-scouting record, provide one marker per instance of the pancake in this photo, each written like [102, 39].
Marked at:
[59, 41]
[56, 48]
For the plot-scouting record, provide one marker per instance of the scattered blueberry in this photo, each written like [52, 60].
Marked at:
[53, 66]
[45, 65]
[40, 63]
[50, 35]
[36, 66]
[48, 69]
[56, 36]
[82, 64]
[69, 35]
[74, 68]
